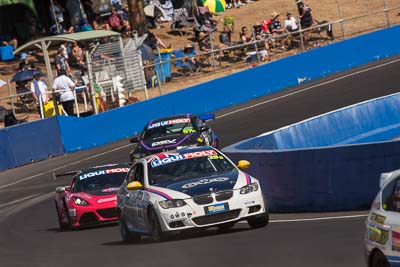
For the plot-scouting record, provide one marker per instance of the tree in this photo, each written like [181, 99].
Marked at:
[137, 18]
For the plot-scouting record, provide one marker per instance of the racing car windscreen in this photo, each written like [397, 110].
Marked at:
[181, 167]
[167, 127]
[99, 182]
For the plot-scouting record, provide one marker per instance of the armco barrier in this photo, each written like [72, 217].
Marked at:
[29, 142]
[83, 133]
[300, 172]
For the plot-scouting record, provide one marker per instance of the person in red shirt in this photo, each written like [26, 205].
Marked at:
[116, 22]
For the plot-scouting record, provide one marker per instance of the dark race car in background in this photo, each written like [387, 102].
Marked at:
[173, 132]
[91, 197]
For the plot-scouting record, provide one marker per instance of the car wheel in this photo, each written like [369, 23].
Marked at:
[379, 260]
[225, 227]
[63, 226]
[126, 234]
[260, 220]
[156, 233]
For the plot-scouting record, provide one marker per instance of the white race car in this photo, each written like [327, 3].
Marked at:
[382, 237]
[195, 187]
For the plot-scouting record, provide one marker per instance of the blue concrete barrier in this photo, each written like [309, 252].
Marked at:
[328, 163]
[29, 142]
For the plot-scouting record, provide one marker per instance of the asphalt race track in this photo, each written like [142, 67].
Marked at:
[28, 224]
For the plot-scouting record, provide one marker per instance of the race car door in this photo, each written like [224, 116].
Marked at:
[134, 209]
[391, 203]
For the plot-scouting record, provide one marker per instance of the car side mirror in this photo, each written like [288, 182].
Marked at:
[60, 189]
[243, 164]
[134, 185]
[204, 128]
[134, 139]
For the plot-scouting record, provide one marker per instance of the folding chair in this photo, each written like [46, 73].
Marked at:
[184, 67]
[229, 24]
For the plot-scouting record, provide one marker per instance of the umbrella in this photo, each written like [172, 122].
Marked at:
[146, 52]
[25, 75]
[215, 6]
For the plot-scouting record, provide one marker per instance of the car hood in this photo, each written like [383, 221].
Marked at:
[98, 198]
[168, 142]
[204, 185]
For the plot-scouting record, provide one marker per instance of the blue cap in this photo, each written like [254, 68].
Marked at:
[23, 55]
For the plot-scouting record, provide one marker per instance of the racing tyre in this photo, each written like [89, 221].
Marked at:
[156, 233]
[63, 226]
[260, 220]
[379, 260]
[127, 235]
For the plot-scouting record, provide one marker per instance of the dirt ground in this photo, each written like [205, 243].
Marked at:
[250, 15]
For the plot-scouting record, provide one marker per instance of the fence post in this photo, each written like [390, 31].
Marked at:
[11, 98]
[91, 83]
[387, 13]
[341, 17]
[301, 35]
[255, 45]
[161, 68]
[212, 50]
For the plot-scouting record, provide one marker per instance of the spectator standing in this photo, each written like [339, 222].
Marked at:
[61, 63]
[56, 11]
[64, 85]
[24, 64]
[305, 15]
[38, 89]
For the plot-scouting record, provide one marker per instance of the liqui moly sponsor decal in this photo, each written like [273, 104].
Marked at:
[168, 122]
[108, 199]
[164, 142]
[165, 158]
[102, 172]
[204, 181]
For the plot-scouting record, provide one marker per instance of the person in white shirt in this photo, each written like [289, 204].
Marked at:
[64, 85]
[38, 89]
[290, 23]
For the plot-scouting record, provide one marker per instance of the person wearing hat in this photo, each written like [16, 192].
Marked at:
[277, 31]
[24, 64]
[38, 90]
[204, 42]
[61, 63]
[84, 26]
[189, 53]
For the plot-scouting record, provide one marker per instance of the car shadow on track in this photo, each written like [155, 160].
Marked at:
[85, 228]
[179, 237]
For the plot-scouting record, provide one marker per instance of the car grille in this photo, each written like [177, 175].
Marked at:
[215, 218]
[223, 195]
[203, 199]
[88, 218]
[108, 213]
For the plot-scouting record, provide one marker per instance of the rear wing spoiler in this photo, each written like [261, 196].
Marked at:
[207, 117]
[55, 176]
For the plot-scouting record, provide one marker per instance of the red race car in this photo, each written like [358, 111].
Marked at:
[91, 198]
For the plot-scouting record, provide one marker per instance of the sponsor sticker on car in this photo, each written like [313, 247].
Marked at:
[216, 208]
[204, 181]
[168, 122]
[102, 172]
[166, 158]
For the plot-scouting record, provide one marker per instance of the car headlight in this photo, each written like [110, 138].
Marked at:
[173, 203]
[80, 201]
[249, 188]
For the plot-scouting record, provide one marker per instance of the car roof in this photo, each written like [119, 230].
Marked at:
[105, 167]
[181, 151]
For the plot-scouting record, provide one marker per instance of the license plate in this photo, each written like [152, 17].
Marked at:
[216, 208]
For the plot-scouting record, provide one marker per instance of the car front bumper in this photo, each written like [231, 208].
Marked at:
[238, 207]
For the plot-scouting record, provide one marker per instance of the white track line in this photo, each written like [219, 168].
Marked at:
[17, 201]
[317, 218]
[220, 116]
[67, 165]
[307, 88]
